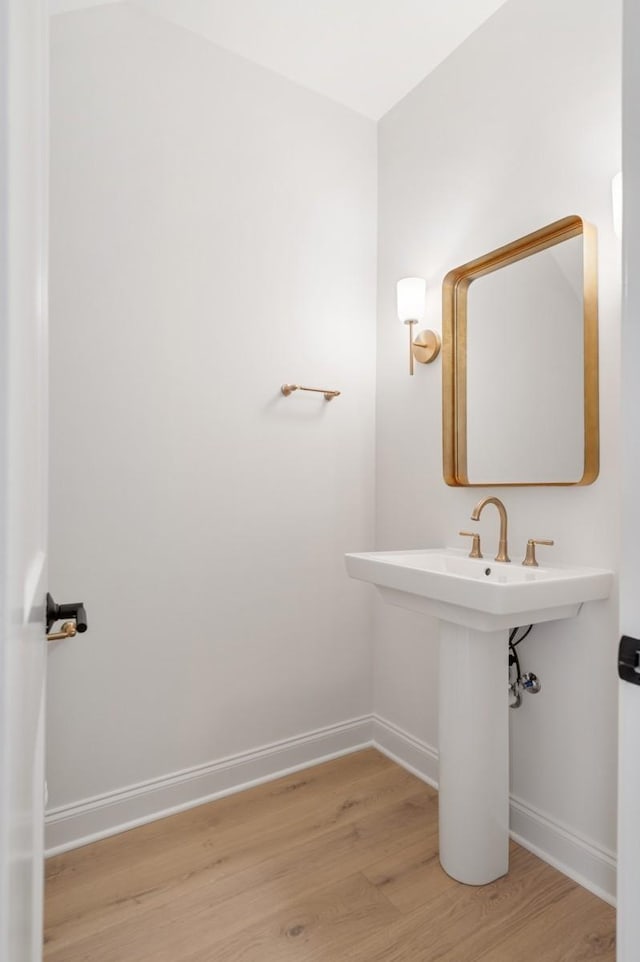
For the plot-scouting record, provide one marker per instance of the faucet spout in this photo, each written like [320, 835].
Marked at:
[503, 554]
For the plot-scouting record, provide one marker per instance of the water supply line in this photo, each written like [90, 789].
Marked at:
[522, 682]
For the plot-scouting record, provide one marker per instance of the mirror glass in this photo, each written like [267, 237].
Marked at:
[520, 362]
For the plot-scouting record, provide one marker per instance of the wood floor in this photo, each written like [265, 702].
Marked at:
[335, 863]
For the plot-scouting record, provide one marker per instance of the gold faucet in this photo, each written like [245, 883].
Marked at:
[503, 554]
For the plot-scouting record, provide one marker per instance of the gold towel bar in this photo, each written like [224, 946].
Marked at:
[288, 389]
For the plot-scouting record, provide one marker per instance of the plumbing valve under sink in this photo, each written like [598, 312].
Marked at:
[523, 681]
[530, 683]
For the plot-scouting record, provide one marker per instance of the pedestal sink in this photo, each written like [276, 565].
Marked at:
[477, 601]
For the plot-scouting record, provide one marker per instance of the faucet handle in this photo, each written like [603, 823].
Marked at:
[475, 544]
[530, 560]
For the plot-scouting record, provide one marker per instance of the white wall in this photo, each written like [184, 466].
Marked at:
[519, 127]
[213, 235]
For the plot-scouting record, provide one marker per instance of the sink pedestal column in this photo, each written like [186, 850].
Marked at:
[474, 753]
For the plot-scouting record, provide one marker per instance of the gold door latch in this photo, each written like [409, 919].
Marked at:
[68, 630]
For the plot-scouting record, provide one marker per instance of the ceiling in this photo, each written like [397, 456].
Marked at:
[365, 54]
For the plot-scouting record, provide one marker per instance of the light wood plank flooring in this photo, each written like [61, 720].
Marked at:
[338, 862]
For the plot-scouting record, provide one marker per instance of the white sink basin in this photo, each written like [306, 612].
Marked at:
[478, 593]
[477, 601]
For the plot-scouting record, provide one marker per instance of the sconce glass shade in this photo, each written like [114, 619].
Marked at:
[411, 294]
[616, 198]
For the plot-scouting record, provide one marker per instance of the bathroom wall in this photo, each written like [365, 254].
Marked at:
[520, 126]
[213, 235]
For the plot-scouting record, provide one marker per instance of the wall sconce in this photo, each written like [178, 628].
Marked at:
[426, 346]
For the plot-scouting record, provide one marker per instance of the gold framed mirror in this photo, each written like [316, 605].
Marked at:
[520, 362]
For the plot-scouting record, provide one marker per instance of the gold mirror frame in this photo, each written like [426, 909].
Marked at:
[454, 349]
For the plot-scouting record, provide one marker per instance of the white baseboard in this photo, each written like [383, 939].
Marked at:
[581, 859]
[416, 756]
[79, 823]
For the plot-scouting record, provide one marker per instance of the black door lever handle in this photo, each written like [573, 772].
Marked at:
[629, 659]
[73, 610]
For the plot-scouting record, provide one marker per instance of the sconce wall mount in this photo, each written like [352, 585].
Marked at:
[426, 346]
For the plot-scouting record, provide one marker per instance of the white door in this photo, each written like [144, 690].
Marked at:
[23, 459]
[629, 742]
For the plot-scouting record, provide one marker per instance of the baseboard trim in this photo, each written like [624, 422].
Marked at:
[406, 750]
[581, 859]
[578, 857]
[77, 824]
